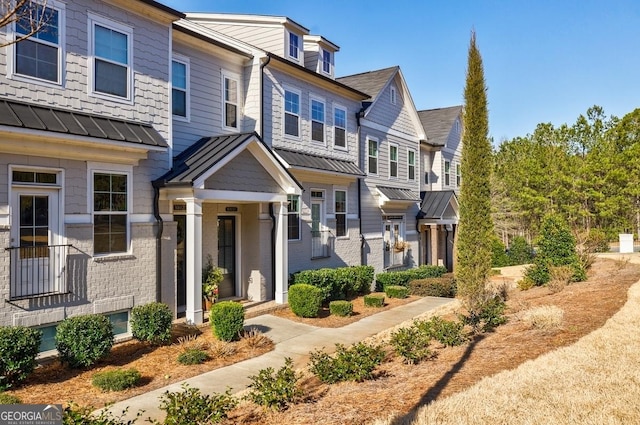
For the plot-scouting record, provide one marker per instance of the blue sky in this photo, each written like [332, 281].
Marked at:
[544, 60]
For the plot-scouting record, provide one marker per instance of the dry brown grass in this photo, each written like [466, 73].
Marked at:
[545, 317]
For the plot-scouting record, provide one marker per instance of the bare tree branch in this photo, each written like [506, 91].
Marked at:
[31, 15]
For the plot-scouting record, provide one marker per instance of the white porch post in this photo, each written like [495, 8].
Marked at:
[434, 244]
[194, 261]
[282, 255]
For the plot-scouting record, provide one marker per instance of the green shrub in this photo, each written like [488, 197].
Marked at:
[446, 332]
[337, 283]
[444, 286]
[526, 283]
[597, 240]
[341, 308]
[227, 320]
[76, 415]
[305, 300]
[490, 315]
[190, 406]
[396, 291]
[374, 300]
[520, 251]
[83, 340]
[499, 256]
[411, 343]
[116, 380]
[356, 363]
[152, 323]
[275, 390]
[19, 347]
[192, 356]
[9, 399]
[405, 276]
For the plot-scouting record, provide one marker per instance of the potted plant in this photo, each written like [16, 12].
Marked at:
[211, 278]
[401, 245]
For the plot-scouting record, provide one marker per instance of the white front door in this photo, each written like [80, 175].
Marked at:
[37, 261]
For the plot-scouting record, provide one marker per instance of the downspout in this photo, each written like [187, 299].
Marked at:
[160, 229]
[363, 259]
[271, 214]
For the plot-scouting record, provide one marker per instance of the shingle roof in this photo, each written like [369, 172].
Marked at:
[398, 194]
[370, 82]
[434, 203]
[437, 123]
[317, 162]
[200, 157]
[36, 117]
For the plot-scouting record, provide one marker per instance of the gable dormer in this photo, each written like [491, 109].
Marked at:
[319, 54]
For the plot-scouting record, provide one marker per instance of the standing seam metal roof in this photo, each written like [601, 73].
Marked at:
[435, 203]
[316, 162]
[399, 194]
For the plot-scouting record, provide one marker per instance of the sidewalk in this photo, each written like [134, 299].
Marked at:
[292, 339]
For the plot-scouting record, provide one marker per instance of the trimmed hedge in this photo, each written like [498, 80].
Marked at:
[338, 283]
[396, 291]
[116, 380]
[19, 347]
[83, 340]
[341, 308]
[227, 320]
[152, 323]
[305, 300]
[444, 286]
[403, 277]
[374, 300]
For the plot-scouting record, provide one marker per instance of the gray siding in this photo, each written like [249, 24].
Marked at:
[393, 116]
[268, 37]
[243, 174]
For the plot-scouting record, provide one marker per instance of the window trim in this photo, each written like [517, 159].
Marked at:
[323, 62]
[458, 174]
[335, 127]
[285, 112]
[12, 35]
[187, 63]
[377, 157]
[317, 99]
[296, 213]
[447, 173]
[94, 20]
[105, 168]
[409, 164]
[345, 212]
[391, 161]
[298, 57]
[233, 77]
[393, 95]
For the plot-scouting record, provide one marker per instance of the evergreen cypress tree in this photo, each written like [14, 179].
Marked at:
[475, 230]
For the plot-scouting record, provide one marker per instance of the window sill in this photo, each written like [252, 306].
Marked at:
[114, 257]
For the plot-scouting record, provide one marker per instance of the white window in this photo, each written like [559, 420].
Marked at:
[326, 62]
[340, 127]
[393, 161]
[230, 85]
[111, 199]
[341, 212]
[411, 164]
[373, 156]
[447, 170]
[293, 217]
[458, 175]
[39, 56]
[294, 46]
[317, 120]
[111, 56]
[180, 87]
[291, 113]
[392, 95]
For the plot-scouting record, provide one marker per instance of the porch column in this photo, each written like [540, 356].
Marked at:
[434, 244]
[282, 255]
[194, 261]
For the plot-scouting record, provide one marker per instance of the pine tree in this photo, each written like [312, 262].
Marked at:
[475, 230]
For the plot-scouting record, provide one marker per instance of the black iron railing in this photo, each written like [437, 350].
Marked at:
[37, 271]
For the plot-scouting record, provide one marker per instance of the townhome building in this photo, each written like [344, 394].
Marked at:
[441, 154]
[390, 134]
[308, 119]
[84, 129]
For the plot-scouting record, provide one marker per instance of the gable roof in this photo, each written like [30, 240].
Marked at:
[437, 123]
[36, 117]
[319, 163]
[198, 159]
[371, 82]
[434, 204]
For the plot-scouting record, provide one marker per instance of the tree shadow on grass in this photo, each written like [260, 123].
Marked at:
[436, 390]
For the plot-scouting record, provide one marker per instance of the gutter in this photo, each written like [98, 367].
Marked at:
[363, 259]
[160, 229]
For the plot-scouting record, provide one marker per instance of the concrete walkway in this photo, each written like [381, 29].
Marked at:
[292, 339]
